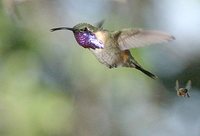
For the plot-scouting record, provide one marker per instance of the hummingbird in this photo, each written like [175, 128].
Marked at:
[183, 91]
[112, 48]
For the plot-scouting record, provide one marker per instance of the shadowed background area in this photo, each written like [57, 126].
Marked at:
[50, 86]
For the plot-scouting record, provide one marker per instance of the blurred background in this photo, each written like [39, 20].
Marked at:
[50, 86]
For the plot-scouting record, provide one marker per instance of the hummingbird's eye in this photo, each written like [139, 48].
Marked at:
[85, 29]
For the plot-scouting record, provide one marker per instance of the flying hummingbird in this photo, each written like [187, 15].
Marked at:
[111, 48]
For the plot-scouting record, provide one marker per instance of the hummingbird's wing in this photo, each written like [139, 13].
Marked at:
[133, 38]
[188, 85]
[100, 24]
[177, 85]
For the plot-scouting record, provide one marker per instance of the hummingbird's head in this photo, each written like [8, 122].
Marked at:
[85, 35]
[84, 27]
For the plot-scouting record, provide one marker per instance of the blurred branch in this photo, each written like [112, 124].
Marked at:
[11, 8]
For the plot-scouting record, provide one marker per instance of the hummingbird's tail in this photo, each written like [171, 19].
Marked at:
[138, 67]
[146, 72]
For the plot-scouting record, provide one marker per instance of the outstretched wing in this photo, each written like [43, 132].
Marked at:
[177, 85]
[133, 38]
[188, 85]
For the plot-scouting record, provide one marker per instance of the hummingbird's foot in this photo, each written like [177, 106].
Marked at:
[113, 66]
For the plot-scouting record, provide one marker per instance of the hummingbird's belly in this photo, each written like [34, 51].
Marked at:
[109, 57]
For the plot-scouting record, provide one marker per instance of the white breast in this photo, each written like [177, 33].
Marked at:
[108, 54]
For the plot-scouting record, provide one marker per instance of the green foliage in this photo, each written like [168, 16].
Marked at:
[28, 106]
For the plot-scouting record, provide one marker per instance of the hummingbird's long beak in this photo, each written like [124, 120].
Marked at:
[62, 28]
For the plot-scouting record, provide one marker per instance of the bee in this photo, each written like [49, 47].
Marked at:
[183, 91]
